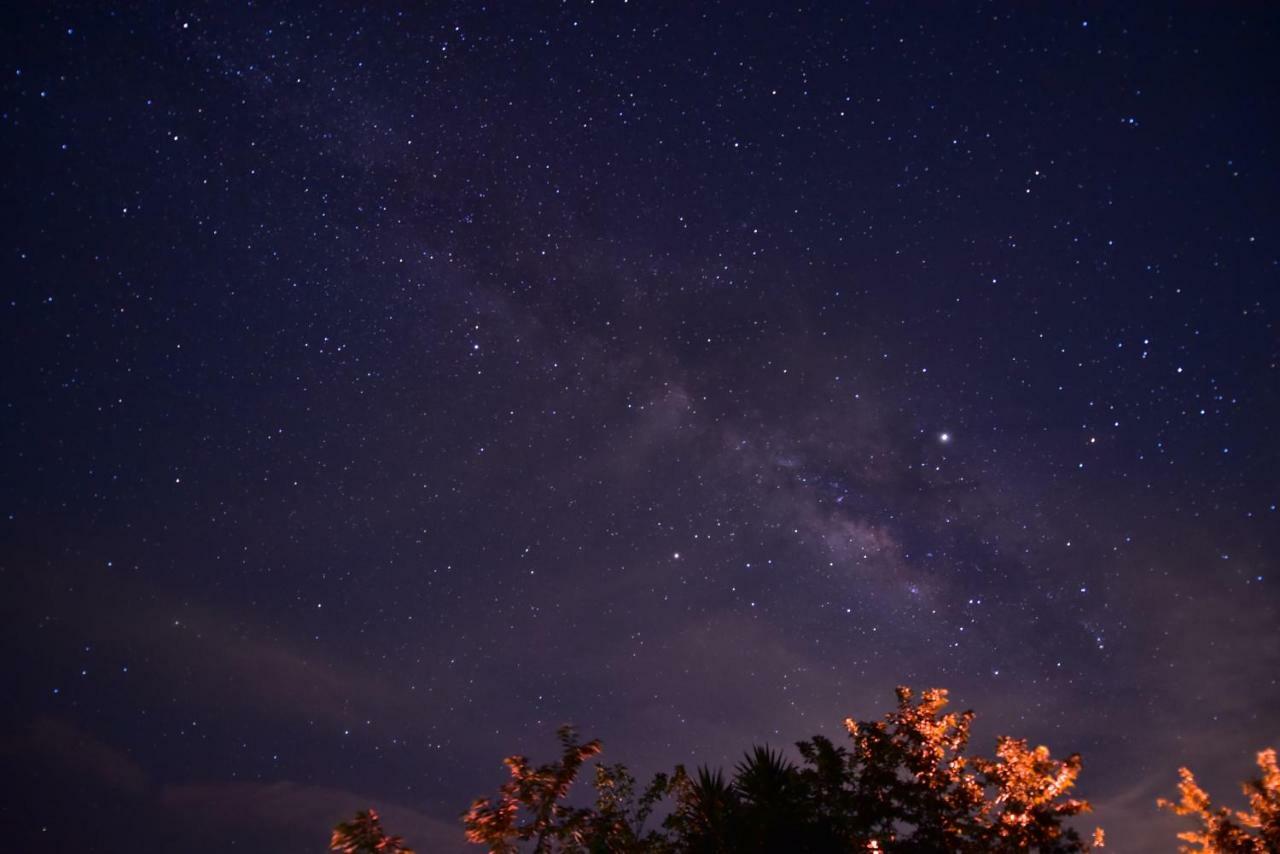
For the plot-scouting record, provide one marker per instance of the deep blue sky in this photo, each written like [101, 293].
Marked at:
[384, 387]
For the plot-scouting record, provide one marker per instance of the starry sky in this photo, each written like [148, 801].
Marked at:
[387, 385]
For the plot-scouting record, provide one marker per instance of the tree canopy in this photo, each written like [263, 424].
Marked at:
[364, 835]
[1225, 831]
[901, 784]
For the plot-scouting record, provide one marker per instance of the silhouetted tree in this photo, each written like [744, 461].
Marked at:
[903, 785]
[530, 808]
[705, 811]
[1224, 831]
[772, 803]
[364, 835]
[617, 823]
[910, 782]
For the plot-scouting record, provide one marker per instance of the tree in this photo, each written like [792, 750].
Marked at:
[364, 835]
[619, 817]
[904, 784]
[909, 779]
[911, 786]
[771, 803]
[530, 808]
[705, 811]
[1224, 831]
[1031, 801]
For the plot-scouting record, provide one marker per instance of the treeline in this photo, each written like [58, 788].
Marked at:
[902, 784]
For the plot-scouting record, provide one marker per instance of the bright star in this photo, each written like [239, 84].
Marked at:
[944, 438]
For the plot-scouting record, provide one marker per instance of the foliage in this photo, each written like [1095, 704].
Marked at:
[1225, 831]
[903, 784]
[364, 835]
[529, 806]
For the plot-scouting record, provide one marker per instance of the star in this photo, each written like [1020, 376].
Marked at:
[453, 368]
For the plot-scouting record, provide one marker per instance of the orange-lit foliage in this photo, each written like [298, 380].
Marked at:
[1031, 797]
[923, 792]
[529, 806]
[364, 835]
[1226, 831]
[902, 784]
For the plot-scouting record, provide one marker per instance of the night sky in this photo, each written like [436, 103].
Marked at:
[385, 386]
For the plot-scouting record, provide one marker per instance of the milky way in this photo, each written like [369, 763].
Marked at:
[385, 387]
